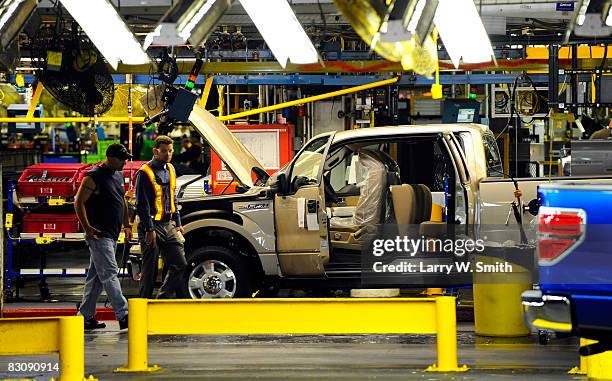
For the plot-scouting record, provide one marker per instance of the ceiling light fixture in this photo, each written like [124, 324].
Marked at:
[199, 19]
[462, 31]
[582, 10]
[606, 14]
[106, 29]
[421, 21]
[282, 31]
[13, 16]
[408, 18]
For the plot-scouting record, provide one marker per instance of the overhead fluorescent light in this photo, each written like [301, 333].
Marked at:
[591, 19]
[582, 10]
[408, 18]
[392, 28]
[164, 34]
[198, 20]
[462, 31]
[281, 30]
[421, 21]
[107, 31]
[607, 13]
[13, 16]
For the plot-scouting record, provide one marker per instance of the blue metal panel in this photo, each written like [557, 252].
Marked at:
[330, 80]
[592, 311]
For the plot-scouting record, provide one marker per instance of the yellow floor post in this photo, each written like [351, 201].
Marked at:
[71, 348]
[446, 327]
[137, 338]
[582, 369]
[599, 367]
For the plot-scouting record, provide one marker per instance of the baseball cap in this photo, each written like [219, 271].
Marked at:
[119, 151]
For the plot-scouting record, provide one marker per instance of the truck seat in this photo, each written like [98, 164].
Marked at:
[412, 205]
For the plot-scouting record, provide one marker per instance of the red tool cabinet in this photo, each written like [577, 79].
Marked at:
[271, 144]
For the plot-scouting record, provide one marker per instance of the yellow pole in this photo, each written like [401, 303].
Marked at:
[128, 78]
[446, 331]
[137, 335]
[137, 338]
[309, 99]
[221, 91]
[206, 92]
[71, 348]
[76, 119]
[35, 99]
[372, 117]
[436, 88]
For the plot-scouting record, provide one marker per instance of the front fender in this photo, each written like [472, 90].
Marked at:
[260, 245]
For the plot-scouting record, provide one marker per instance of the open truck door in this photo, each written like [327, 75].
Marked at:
[300, 219]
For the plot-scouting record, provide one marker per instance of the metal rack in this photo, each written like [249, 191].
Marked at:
[11, 289]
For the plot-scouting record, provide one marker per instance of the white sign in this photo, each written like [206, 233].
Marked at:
[263, 144]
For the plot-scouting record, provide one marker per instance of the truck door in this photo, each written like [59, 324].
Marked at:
[301, 221]
[464, 180]
[459, 207]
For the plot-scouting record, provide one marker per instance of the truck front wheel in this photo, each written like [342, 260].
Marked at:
[217, 272]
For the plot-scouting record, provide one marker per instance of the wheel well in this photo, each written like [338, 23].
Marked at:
[214, 236]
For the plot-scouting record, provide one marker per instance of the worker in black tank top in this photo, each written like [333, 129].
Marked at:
[102, 209]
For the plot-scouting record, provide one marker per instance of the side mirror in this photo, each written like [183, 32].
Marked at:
[282, 184]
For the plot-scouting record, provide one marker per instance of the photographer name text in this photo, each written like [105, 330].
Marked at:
[459, 267]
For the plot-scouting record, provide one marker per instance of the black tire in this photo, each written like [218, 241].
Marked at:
[237, 263]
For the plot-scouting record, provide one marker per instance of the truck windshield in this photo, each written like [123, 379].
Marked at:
[309, 161]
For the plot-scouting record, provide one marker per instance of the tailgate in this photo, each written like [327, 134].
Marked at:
[586, 266]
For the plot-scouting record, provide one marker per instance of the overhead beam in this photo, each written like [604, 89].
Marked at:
[345, 67]
[334, 80]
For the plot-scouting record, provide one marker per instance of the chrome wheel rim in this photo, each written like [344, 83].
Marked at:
[212, 279]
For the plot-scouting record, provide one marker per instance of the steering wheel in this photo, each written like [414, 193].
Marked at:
[330, 193]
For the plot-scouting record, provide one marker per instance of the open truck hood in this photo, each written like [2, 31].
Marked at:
[240, 162]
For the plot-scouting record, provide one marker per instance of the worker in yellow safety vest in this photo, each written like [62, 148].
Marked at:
[160, 230]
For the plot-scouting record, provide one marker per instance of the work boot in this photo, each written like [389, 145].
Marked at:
[123, 323]
[93, 324]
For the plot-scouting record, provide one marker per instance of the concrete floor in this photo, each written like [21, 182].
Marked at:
[355, 357]
[361, 357]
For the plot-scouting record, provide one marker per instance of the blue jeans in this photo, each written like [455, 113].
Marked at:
[102, 275]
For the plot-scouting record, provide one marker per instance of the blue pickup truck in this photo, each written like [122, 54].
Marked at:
[575, 264]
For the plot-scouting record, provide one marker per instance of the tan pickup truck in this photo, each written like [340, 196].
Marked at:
[305, 225]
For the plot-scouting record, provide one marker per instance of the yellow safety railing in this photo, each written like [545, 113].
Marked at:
[293, 316]
[35, 336]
